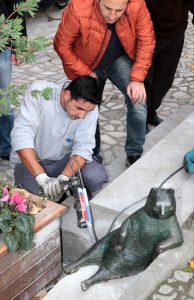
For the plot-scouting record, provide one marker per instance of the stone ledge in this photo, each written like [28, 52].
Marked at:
[156, 165]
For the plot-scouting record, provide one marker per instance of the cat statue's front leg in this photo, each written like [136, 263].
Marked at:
[123, 233]
[168, 244]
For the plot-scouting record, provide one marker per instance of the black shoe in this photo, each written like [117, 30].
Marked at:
[147, 129]
[131, 159]
[155, 121]
[5, 157]
[97, 157]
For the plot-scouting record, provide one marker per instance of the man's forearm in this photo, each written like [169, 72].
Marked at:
[28, 158]
[76, 158]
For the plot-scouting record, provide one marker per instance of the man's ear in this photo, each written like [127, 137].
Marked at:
[68, 93]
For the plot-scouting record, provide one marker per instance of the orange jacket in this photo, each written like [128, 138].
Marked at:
[82, 37]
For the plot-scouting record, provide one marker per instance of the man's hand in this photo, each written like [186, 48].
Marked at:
[50, 186]
[188, 162]
[15, 60]
[92, 74]
[136, 92]
[64, 181]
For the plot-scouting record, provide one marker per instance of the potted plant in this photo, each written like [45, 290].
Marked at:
[24, 48]
[16, 222]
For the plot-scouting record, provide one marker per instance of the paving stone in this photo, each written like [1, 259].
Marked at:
[165, 289]
[182, 276]
[103, 109]
[181, 288]
[109, 127]
[180, 94]
[115, 122]
[118, 106]
[160, 297]
[191, 292]
[105, 146]
[172, 104]
[117, 134]
[110, 104]
[107, 139]
[122, 128]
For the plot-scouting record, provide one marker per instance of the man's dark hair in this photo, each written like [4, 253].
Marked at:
[86, 88]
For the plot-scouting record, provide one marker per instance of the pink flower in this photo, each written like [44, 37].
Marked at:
[5, 190]
[5, 198]
[22, 207]
[17, 199]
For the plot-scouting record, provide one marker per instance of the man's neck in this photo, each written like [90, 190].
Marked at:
[63, 99]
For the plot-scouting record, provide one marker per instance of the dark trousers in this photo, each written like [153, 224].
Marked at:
[94, 174]
[162, 71]
[96, 150]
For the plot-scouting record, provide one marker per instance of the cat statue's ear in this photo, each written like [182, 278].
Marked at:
[170, 192]
[153, 192]
[151, 199]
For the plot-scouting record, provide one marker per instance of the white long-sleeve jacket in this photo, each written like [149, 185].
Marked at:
[44, 126]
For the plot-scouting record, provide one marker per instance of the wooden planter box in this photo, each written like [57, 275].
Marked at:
[23, 274]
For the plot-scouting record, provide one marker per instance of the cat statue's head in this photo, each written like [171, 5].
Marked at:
[161, 203]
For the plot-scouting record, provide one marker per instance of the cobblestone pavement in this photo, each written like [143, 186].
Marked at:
[112, 118]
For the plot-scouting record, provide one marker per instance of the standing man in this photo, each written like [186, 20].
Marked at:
[111, 39]
[48, 134]
[6, 60]
[170, 21]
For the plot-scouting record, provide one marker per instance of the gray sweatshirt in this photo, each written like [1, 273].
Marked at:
[44, 126]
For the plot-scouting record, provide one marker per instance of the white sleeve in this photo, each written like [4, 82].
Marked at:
[84, 140]
[26, 123]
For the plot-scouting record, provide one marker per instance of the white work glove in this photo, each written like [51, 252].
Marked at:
[64, 180]
[50, 186]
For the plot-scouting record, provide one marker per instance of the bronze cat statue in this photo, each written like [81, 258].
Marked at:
[145, 234]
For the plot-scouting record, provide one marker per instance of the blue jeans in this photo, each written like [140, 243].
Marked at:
[6, 121]
[118, 74]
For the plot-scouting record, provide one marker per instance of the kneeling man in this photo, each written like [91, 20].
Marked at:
[48, 134]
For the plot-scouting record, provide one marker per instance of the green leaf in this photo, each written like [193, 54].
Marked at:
[23, 223]
[47, 93]
[5, 215]
[35, 93]
[26, 241]
[2, 19]
[12, 93]
[29, 6]
[4, 227]
[26, 49]
[11, 240]
[32, 221]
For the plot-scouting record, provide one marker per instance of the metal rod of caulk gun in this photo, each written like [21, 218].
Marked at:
[89, 218]
[79, 172]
